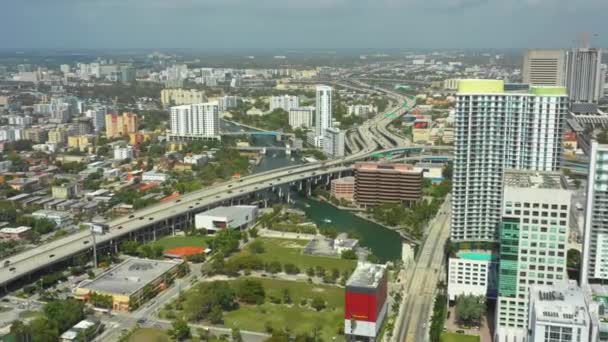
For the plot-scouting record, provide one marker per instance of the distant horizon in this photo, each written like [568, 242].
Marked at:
[316, 24]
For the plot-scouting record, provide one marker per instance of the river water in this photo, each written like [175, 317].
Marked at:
[384, 243]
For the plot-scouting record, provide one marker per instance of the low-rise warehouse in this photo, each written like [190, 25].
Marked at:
[131, 282]
[235, 217]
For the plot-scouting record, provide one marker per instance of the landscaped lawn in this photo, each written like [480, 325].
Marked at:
[452, 337]
[169, 242]
[149, 335]
[293, 316]
[290, 251]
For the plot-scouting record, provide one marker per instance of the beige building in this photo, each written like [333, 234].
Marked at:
[64, 191]
[343, 188]
[178, 97]
[82, 141]
[131, 283]
[119, 125]
[58, 136]
[545, 68]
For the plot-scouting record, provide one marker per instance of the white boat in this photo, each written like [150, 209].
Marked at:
[327, 220]
[307, 205]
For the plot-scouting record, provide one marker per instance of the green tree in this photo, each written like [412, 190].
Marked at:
[216, 316]
[574, 259]
[180, 330]
[236, 335]
[470, 309]
[349, 254]
[44, 330]
[64, 313]
[250, 291]
[256, 247]
[318, 303]
[286, 296]
[20, 331]
[130, 247]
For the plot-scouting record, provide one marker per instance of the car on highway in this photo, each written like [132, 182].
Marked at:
[131, 216]
[6, 263]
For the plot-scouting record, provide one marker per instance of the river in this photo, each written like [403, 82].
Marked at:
[384, 243]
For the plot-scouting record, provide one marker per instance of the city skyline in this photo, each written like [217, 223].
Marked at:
[306, 24]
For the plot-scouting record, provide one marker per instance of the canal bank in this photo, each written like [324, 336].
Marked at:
[384, 243]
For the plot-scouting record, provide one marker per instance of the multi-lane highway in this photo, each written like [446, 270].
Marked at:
[22, 264]
[422, 281]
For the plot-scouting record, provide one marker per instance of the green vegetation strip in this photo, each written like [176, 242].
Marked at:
[298, 319]
[452, 337]
[290, 251]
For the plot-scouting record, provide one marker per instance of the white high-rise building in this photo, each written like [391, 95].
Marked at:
[595, 244]
[65, 68]
[497, 130]
[196, 121]
[301, 117]
[98, 118]
[560, 313]
[122, 153]
[285, 102]
[323, 118]
[584, 79]
[333, 142]
[545, 68]
[533, 244]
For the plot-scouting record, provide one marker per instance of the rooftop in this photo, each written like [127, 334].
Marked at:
[534, 179]
[228, 211]
[559, 303]
[366, 275]
[477, 255]
[486, 86]
[385, 167]
[17, 230]
[129, 276]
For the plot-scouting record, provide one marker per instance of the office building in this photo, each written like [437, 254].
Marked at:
[36, 134]
[301, 117]
[361, 110]
[98, 118]
[131, 283]
[365, 303]
[473, 272]
[533, 244]
[58, 136]
[497, 130]
[127, 74]
[197, 121]
[323, 109]
[123, 153]
[595, 243]
[285, 102]
[60, 218]
[235, 217]
[119, 125]
[14, 234]
[64, 191]
[18, 120]
[343, 188]
[178, 97]
[226, 103]
[450, 84]
[545, 68]
[378, 183]
[560, 313]
[584, 79]
[333, 142]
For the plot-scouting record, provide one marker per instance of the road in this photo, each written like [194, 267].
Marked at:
[420, 286]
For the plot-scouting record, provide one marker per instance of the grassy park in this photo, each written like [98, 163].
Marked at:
[453, 337]
[294, 317]
[290, 251]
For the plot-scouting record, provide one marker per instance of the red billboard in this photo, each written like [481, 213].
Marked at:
[360, 306]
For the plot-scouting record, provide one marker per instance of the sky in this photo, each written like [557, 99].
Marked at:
[324, 24]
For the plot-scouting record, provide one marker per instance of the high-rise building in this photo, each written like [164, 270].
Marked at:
[323, 118]
[196, 121]
[377, 183]
[365, 304]
[333, 142]
[119, 125]
[533, 244]
[98, 118]
[301, 117]
[544, 68]
[595, 244]
[285, 102]
[497, 130]
[584, 79]
[560, 313]
[123, 152]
